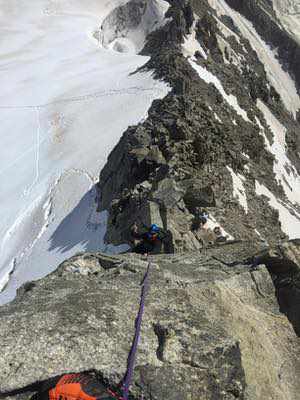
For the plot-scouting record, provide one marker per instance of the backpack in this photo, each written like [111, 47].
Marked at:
[79, 387]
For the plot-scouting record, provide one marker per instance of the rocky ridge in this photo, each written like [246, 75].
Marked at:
[179, 159]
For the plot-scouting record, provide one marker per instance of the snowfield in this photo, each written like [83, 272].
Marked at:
[65, 101]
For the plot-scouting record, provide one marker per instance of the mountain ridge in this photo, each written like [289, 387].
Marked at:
[181, 140]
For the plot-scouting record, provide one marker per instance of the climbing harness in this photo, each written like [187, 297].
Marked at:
[138, 324]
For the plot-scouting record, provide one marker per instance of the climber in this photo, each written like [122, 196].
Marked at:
[149, 241]
[200, 219]
[79, 386]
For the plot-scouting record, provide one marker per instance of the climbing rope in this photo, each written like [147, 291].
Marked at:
[138, 323]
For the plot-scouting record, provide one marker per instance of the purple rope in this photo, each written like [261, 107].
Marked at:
[138, 324]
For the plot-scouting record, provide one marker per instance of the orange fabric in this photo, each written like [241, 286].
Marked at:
[69, 388]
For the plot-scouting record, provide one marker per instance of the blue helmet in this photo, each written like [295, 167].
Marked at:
[154, 228]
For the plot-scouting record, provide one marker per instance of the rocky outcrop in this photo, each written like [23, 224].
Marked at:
[283, 265]
[212, 328]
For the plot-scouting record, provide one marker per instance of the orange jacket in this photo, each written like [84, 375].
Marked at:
[79, 387]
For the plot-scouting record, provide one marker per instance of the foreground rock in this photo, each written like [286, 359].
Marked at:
[212, 327]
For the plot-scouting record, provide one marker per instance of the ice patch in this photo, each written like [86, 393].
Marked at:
[290, 224]
[238, 189]
[285, 172]
[208, 77]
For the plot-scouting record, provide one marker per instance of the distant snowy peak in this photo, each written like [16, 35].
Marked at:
[126, 27]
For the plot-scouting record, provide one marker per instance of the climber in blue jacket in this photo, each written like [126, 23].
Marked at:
[149, 240]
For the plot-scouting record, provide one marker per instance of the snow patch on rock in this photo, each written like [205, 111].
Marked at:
[286, 173]
[289, 219]
[191, 45]
[212, 224]
[218, 118]
[229, 55]
[208, 77]
[238, 188]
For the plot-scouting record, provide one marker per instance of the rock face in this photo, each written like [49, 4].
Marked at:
[212, 328]
[189, 152]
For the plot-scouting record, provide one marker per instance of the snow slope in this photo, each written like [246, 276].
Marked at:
[279, 78]
[64, 103]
